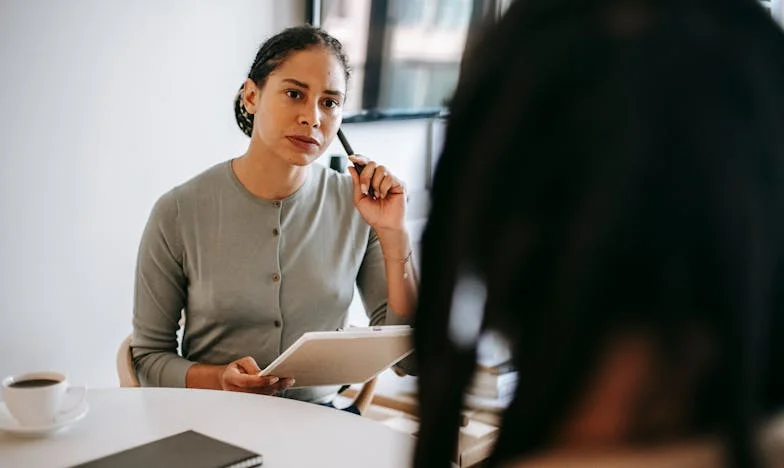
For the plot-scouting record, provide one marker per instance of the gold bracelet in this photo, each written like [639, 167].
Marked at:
[404, 260]
[401, 260]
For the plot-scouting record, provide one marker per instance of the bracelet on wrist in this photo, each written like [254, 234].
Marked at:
[403, 261]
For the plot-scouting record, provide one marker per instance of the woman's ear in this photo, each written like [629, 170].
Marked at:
[250, 95]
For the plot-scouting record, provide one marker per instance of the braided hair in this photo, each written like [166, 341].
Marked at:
[274, 52]
[620, 165]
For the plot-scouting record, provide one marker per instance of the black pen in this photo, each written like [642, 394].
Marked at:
[350, 152]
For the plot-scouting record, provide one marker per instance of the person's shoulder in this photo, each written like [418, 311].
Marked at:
[335, 183]
[166, 207]
[336, 193]
[171, 202]
[215, 175]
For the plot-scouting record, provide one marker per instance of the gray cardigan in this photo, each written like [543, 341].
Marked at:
[251, 275]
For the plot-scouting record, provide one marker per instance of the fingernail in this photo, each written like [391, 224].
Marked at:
[364, 189]
[273, 380]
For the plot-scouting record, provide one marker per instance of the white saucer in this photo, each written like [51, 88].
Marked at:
[12, 426]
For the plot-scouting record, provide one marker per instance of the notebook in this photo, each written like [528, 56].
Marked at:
[188, 448]
[345, 357]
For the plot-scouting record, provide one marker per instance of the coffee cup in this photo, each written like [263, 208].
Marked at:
[36, 398]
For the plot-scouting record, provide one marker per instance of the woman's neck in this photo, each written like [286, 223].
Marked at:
[266, 175]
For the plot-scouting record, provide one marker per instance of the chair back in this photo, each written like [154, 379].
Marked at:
[125, 371]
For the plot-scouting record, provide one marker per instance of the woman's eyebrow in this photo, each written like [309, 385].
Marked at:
[306, 86]
[296, 82]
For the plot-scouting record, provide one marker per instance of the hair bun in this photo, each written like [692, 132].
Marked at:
[244, 118]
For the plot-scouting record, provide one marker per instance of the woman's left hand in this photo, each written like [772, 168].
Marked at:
[387, 211]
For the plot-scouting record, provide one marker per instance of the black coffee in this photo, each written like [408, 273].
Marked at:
[34, 383]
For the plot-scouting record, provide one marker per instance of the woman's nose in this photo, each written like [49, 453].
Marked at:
[310, 116]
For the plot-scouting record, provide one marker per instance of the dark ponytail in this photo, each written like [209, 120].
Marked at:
[277, 49]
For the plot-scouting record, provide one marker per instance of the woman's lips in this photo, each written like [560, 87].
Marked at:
[303, 142]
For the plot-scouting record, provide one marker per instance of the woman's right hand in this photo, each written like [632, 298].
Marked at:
[243, 375]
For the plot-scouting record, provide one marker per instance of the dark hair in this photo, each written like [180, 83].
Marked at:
[274, 52]
[620, 165]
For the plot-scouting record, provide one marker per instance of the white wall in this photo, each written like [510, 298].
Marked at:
[105, 105]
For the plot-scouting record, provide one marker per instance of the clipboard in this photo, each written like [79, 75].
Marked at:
[345, 357]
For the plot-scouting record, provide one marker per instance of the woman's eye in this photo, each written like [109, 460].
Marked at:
[293, 94]
[330, 103]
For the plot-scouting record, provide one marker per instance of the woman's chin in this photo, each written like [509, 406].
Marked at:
[301, 159]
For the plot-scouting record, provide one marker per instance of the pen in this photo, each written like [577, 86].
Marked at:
[350, 152]
[345, 143]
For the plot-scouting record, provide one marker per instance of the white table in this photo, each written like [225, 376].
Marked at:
[288, 433]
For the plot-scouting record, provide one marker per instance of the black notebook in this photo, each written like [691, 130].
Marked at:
[188, 448]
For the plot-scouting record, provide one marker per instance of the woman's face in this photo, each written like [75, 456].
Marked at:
[299, 110]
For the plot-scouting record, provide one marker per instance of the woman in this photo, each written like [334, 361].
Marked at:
[262, 248]
[622, 228]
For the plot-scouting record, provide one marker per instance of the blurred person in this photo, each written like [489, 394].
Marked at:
[610, 199]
